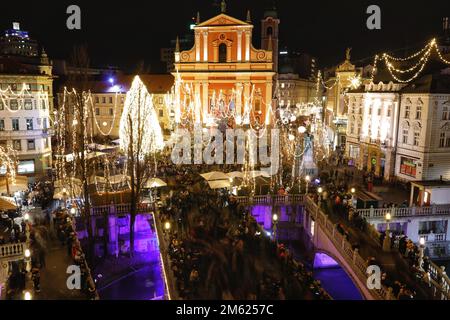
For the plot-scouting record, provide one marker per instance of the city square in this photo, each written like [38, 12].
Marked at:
[227, 164]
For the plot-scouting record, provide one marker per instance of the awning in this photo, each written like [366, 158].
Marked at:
[219, 184]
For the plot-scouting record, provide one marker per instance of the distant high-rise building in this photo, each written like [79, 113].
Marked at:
[16, 42]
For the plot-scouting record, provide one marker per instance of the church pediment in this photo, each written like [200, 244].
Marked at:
[222, 20]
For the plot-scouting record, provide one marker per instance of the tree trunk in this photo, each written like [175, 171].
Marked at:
[133, 210]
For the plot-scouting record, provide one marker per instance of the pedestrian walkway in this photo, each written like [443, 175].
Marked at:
[54, 276]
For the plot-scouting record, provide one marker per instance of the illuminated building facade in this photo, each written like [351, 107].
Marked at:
[16, 42]
[401, 130]
[372, 128]
[223, 76]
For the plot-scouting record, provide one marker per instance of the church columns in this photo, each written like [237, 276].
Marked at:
[205, 46]
[197, 46]
[247, 45]
[268, 101]
[238, 99]
[247, 103]
[239, 46]
[205, 102]
[197, 104]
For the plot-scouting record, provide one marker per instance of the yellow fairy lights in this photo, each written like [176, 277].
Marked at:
[424, 55]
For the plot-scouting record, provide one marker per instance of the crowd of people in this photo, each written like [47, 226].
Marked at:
[217, 249]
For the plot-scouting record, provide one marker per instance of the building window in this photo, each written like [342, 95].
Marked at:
[269, 31]
[282, 86]
[111, 111]
[17, 145]
[97, 111]
[31, 145]
[97, 100]
[408, 167]
[13, 105]
[26, 166]
[405, 136]
[1, 104]
[442, 140]
[28, 104]
[379, 111]
[44, 123]
[447, 142]
[407, 111]
[103, 99]
[416, 138]
[110, 100]
[45, 143]
[388, 112]
[419, 112]
[222, 53]
[29, 122]
[352, 128]
[2, 124]
[445, 113]
[15, 124]
[161, 113]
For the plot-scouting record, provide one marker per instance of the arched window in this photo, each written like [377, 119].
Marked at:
[222, 52]
[269, 31]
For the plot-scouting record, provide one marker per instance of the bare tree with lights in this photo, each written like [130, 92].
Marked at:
[140, 139]
[78, 107]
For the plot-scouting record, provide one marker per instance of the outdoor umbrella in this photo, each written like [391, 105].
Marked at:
[7, 203]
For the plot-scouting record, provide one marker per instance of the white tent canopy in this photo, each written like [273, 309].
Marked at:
[96, 179]
[19, 183]
[219, 184]
[214, 175]
[155, 183]
[235, 174]
[7, 203]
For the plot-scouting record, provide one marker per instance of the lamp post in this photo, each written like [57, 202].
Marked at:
[387, 238]
[274, 226]
[27, 295]
[421, 252]
[319, 191]
[72, 211]
[307, 180]
[167, 227]
[352, 191]
[27, 255]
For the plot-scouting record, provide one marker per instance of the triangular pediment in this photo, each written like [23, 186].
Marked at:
[222, 20]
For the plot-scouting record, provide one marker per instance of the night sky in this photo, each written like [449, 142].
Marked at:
[123, 33]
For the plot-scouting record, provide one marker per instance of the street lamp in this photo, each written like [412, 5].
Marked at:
[352, 191]
[72, 211]
[421, 251]
[26, 217]
[27, 255]
[387, 237]
[301, 129]
[27, 295]
[319, 191]
[274, 226]
[307, 180]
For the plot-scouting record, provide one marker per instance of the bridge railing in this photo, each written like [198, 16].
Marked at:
[121, 208]
[380, 213]
[439, 282]
[271, 199]
[351, 256]
[11, 250]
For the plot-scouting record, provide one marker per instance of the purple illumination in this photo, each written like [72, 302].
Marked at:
[322, 260]
[111, 80]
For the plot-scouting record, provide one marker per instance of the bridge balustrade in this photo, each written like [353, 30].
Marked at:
[11, 250]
